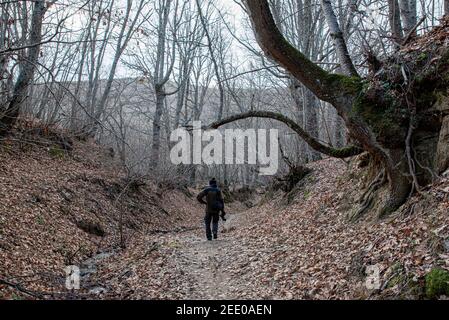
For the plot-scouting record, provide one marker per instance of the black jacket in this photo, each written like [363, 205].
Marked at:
[212, 195]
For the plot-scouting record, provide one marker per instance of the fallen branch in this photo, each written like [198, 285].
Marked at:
[22, 289]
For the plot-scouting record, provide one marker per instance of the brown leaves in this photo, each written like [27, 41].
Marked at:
[303, 250]
[438, 36]
[45, 200]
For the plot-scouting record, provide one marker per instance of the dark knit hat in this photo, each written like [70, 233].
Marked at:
[213, 182]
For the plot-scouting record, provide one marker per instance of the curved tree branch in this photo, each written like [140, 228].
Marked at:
[345, 152]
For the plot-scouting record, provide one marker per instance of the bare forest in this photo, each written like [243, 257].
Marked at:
[339, 108]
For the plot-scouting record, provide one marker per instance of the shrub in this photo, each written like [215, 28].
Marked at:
[437, 283]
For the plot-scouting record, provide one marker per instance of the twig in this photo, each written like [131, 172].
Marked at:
[411, 32]
[20, 288]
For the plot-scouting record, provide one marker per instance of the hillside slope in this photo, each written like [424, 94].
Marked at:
[303, 250]
[309, 250]
[59, 208]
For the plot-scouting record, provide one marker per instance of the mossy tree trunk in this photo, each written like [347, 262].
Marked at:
[399, 129]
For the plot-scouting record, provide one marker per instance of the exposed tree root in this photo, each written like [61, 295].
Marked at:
[391, 205]
[367, 197]
[410, 161]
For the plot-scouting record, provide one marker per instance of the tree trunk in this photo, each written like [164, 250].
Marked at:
[446, 6]
[339, 132]
[122, 42]
[156, 135]
[367, 109]
[214, 61]
[9, 116]
[341, 49]
[408, 14]
[311, 123]
[394, 18]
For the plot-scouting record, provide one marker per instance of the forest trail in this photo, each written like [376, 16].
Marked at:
[202, 262]
[301, 250]
[203, 265]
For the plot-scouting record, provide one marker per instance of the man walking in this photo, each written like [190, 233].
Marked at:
[214, 204]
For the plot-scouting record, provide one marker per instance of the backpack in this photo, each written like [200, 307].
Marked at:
[216, 203]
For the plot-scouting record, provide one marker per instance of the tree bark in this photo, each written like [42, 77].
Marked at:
[214, 61]
[279, 49]
[364, 108]
[8, 117]
[346, 64]
[311, 108]
[156, 134]
[408, 14]
[311, 141]
[122, 42]
[394, 18]
[160, 78]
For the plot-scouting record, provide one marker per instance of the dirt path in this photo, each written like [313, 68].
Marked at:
[182, 265]
[203, 264]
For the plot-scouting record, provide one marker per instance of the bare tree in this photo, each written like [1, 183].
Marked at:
[394, 18]
[9, 115]
[352, 101]
[127, 29]
[346, 64]
[213, 58]
[408, 14]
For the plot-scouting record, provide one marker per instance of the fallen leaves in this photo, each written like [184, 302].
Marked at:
[43, 200]
[305, 250]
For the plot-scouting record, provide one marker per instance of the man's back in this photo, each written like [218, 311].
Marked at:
[213, 197]
[214, 204]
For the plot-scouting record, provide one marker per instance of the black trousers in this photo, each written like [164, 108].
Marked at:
[211, 217]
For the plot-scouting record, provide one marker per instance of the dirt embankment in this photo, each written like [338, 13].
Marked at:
[302, 246]
[61, 203]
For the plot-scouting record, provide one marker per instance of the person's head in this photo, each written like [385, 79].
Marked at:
[213, 182]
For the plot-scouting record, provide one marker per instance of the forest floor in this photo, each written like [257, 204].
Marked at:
[59, 209]
[187, 267]
[294, 247]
